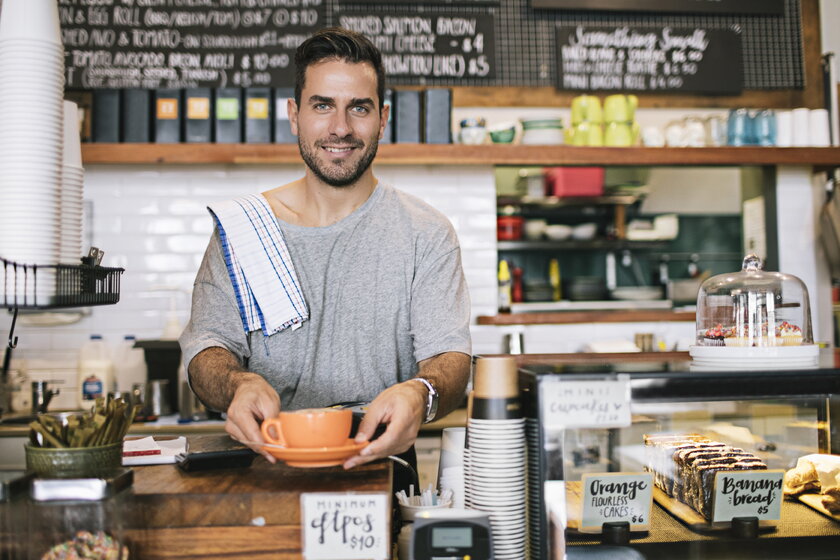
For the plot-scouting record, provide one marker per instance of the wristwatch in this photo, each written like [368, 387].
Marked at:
[432, 399]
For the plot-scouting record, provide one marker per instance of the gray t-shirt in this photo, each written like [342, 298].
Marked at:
[385, 290]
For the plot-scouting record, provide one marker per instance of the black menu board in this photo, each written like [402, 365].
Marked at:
[184, 43]
[649, 59]
[429, 44]
[772, 7]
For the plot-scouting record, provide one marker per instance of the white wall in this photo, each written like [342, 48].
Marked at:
[152, 220]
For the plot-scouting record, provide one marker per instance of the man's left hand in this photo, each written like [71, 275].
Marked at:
[402, 409]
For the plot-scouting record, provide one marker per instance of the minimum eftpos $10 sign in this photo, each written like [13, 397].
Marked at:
[748, 494]
[616, 497]
[344, 526]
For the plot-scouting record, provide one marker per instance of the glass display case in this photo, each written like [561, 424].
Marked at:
[722, 420]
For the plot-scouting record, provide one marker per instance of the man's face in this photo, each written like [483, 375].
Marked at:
[338, 123]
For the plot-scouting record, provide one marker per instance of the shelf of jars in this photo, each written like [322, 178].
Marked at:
[458, 154]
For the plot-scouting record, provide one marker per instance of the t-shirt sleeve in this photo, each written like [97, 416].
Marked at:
[440, 301]
[214, 319]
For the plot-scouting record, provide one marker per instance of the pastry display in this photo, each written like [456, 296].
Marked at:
[816, 473]
[784, 334]
[85, 544]
[684, 466]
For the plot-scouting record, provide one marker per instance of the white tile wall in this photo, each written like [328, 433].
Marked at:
[152, 220]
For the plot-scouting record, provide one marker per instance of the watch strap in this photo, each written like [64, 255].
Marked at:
[431, 399]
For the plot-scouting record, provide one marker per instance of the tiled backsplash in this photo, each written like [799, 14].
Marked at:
[152, 220]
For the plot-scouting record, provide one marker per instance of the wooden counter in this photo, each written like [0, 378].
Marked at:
[243, 513]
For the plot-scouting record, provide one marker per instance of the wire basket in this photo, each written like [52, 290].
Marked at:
[29, 286]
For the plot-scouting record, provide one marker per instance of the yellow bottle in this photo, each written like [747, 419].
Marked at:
[554, 279]
[504, 287]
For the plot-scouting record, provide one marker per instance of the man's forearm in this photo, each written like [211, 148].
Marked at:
[215, 373]
[449, 373]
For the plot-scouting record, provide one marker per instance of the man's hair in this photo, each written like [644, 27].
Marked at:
[340, 44]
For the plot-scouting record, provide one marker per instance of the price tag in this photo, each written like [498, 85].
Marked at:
[617, 497]
[586, 404]
[344, 526]
[748, 494]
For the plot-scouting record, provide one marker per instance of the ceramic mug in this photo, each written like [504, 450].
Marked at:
[309, 428]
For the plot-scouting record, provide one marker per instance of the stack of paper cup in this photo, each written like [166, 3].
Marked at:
[451, 465]
[72, 189]
[495, 464]
[31, 139]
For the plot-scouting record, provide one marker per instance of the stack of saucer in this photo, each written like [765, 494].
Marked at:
[495, 461]
[72, 189]
[31, 139]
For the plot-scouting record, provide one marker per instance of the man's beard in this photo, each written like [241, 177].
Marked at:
[344, 175]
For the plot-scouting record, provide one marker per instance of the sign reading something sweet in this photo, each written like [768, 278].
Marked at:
[344, 526]
[649, 59]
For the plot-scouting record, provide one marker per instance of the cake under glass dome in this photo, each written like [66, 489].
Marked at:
[760, 317]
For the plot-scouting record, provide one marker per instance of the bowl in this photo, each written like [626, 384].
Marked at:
[584, 232]
[534, 229]
[558, 232]
[503, 135]
[74, 462]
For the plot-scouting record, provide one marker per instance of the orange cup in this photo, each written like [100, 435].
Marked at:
[309, 428]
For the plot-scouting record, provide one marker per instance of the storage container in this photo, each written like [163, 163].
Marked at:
[574, 181]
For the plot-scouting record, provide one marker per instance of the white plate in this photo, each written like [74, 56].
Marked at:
[758, 352]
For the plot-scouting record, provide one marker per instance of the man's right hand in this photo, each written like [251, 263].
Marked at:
[253, 401]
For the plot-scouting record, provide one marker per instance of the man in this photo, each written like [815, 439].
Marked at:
[379, 270]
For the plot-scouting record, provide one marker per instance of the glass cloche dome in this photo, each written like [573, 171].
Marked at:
[753, 308]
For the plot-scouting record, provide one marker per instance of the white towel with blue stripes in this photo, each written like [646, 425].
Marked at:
[261, 270]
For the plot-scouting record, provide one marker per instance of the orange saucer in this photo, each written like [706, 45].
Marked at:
[315, 456]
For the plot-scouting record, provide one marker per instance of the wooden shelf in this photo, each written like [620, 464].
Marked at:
[457, 154]
[569, 317]
[572, 245]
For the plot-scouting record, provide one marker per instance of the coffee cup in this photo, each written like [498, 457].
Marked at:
[309, 428]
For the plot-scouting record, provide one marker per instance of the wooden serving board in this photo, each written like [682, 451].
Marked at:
[815, 501]
[691, 517]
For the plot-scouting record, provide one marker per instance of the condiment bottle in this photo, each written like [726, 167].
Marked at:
[505, 295]
[516, 292]
[554, 279]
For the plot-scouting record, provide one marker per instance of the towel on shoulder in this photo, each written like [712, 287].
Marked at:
[267, 289]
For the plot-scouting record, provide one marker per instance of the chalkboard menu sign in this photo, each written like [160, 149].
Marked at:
[649, 59]
[184, 43]
[773, 7]
[429, 45]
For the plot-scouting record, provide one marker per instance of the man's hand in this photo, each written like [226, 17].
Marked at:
[253, 401]
[402, 408]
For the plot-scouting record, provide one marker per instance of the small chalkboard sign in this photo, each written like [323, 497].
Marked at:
[649, 59]
[429, 44]
[773, 7]
[168, 44]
